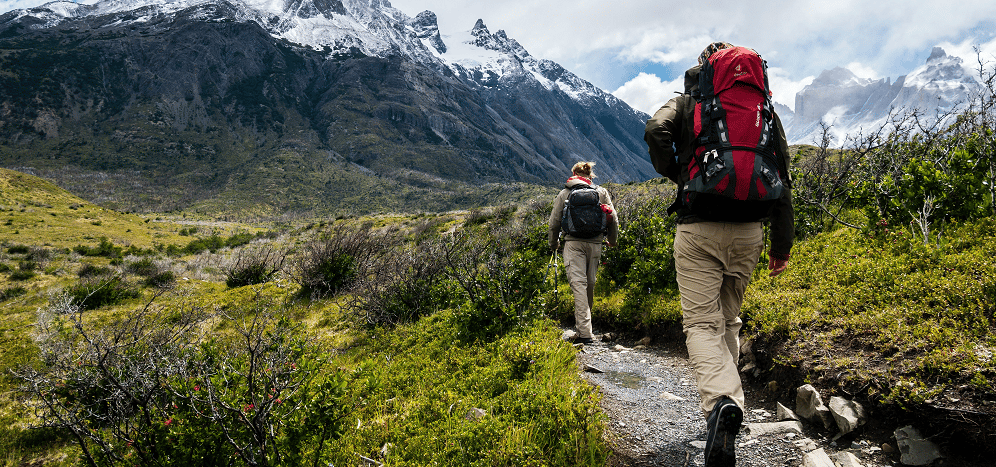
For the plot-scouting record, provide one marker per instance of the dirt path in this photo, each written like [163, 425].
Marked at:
[650, 398]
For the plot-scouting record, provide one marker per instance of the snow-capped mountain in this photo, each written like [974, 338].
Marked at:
[357, 79]
[853, 105]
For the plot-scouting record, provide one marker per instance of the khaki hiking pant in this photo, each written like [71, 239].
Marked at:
[581, 264]
[714, 261]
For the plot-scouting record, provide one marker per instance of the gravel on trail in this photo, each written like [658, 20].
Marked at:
[652, 404]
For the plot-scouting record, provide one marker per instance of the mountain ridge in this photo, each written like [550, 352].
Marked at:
[193, 97]
[852, 105]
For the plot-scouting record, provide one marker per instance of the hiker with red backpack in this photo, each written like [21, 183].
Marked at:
[725, 148]
[584, 213]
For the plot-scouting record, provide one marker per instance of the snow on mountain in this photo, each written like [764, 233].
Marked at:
[371, 27]
[853, 105]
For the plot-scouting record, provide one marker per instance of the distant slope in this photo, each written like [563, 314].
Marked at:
[36, 212]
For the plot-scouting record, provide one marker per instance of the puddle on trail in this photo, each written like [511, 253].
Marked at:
[625, 379]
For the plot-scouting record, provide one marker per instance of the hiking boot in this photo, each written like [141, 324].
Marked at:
[585, 340]
[723, 424]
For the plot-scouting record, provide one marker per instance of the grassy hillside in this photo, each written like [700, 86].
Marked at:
[42, 214]
[342, 377]
[449, 351]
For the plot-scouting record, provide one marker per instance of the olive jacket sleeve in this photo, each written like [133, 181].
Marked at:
[669, 141]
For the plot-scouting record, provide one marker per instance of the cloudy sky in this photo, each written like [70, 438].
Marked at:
[638, 50]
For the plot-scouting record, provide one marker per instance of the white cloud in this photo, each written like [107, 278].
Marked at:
[862, 71]
[783, 88]
[648, 93]
[971, 52]
[887, 37]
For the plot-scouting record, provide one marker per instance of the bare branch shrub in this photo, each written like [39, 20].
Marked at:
[255, 265]
[151, 388]
[338, 258]
[403, 285]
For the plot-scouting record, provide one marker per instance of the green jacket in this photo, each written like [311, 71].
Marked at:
[669, 136]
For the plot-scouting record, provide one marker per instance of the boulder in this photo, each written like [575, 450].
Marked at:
[784, 413]
[849, 415]
[846, 459]
[817, 458]
[809, 405]
[759, 429]
[914, 449]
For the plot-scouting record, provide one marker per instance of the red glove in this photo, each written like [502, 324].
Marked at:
[777, 266]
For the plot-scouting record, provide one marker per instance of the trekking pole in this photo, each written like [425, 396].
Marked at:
[552, 264]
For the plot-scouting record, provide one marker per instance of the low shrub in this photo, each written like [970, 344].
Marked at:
[403, 286]
[12, 292]
[105, 248]
[500, 277]
[163, 279]
[146, 389]
[336, 259]
[90, 270]
[144, 267]
[99, 291]
[18, 249]
[255, 266]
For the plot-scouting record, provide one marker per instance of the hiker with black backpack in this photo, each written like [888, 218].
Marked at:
[725, 148]
[584, 213]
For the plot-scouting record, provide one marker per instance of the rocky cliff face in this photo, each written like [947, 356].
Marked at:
[852, 104]
[323, 103]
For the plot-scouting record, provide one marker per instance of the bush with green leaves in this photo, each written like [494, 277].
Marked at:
[501, 278]
[641, 265]
[163, 279]
[12, 292]
[144, 267]
[105, 248]
[99, 291]
[18, 249]
[925, 311]
[91, 270]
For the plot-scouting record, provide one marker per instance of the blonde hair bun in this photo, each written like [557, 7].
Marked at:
[583, 169]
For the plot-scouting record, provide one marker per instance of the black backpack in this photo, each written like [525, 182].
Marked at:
[583, 215]
[734, 174]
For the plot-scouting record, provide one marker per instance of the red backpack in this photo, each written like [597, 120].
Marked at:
[735, 175]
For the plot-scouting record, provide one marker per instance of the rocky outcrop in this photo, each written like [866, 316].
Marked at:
[851, 104]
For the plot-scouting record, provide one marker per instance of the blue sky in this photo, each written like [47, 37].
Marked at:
[639, 50]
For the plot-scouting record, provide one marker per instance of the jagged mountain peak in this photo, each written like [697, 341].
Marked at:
[839, 76]
[354, 83]
[936, 54]
[426, 28]
[852, 104]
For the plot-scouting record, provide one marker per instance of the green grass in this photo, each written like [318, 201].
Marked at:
[416, 389]
[884, 318]
[906, 320]
[36, 212]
